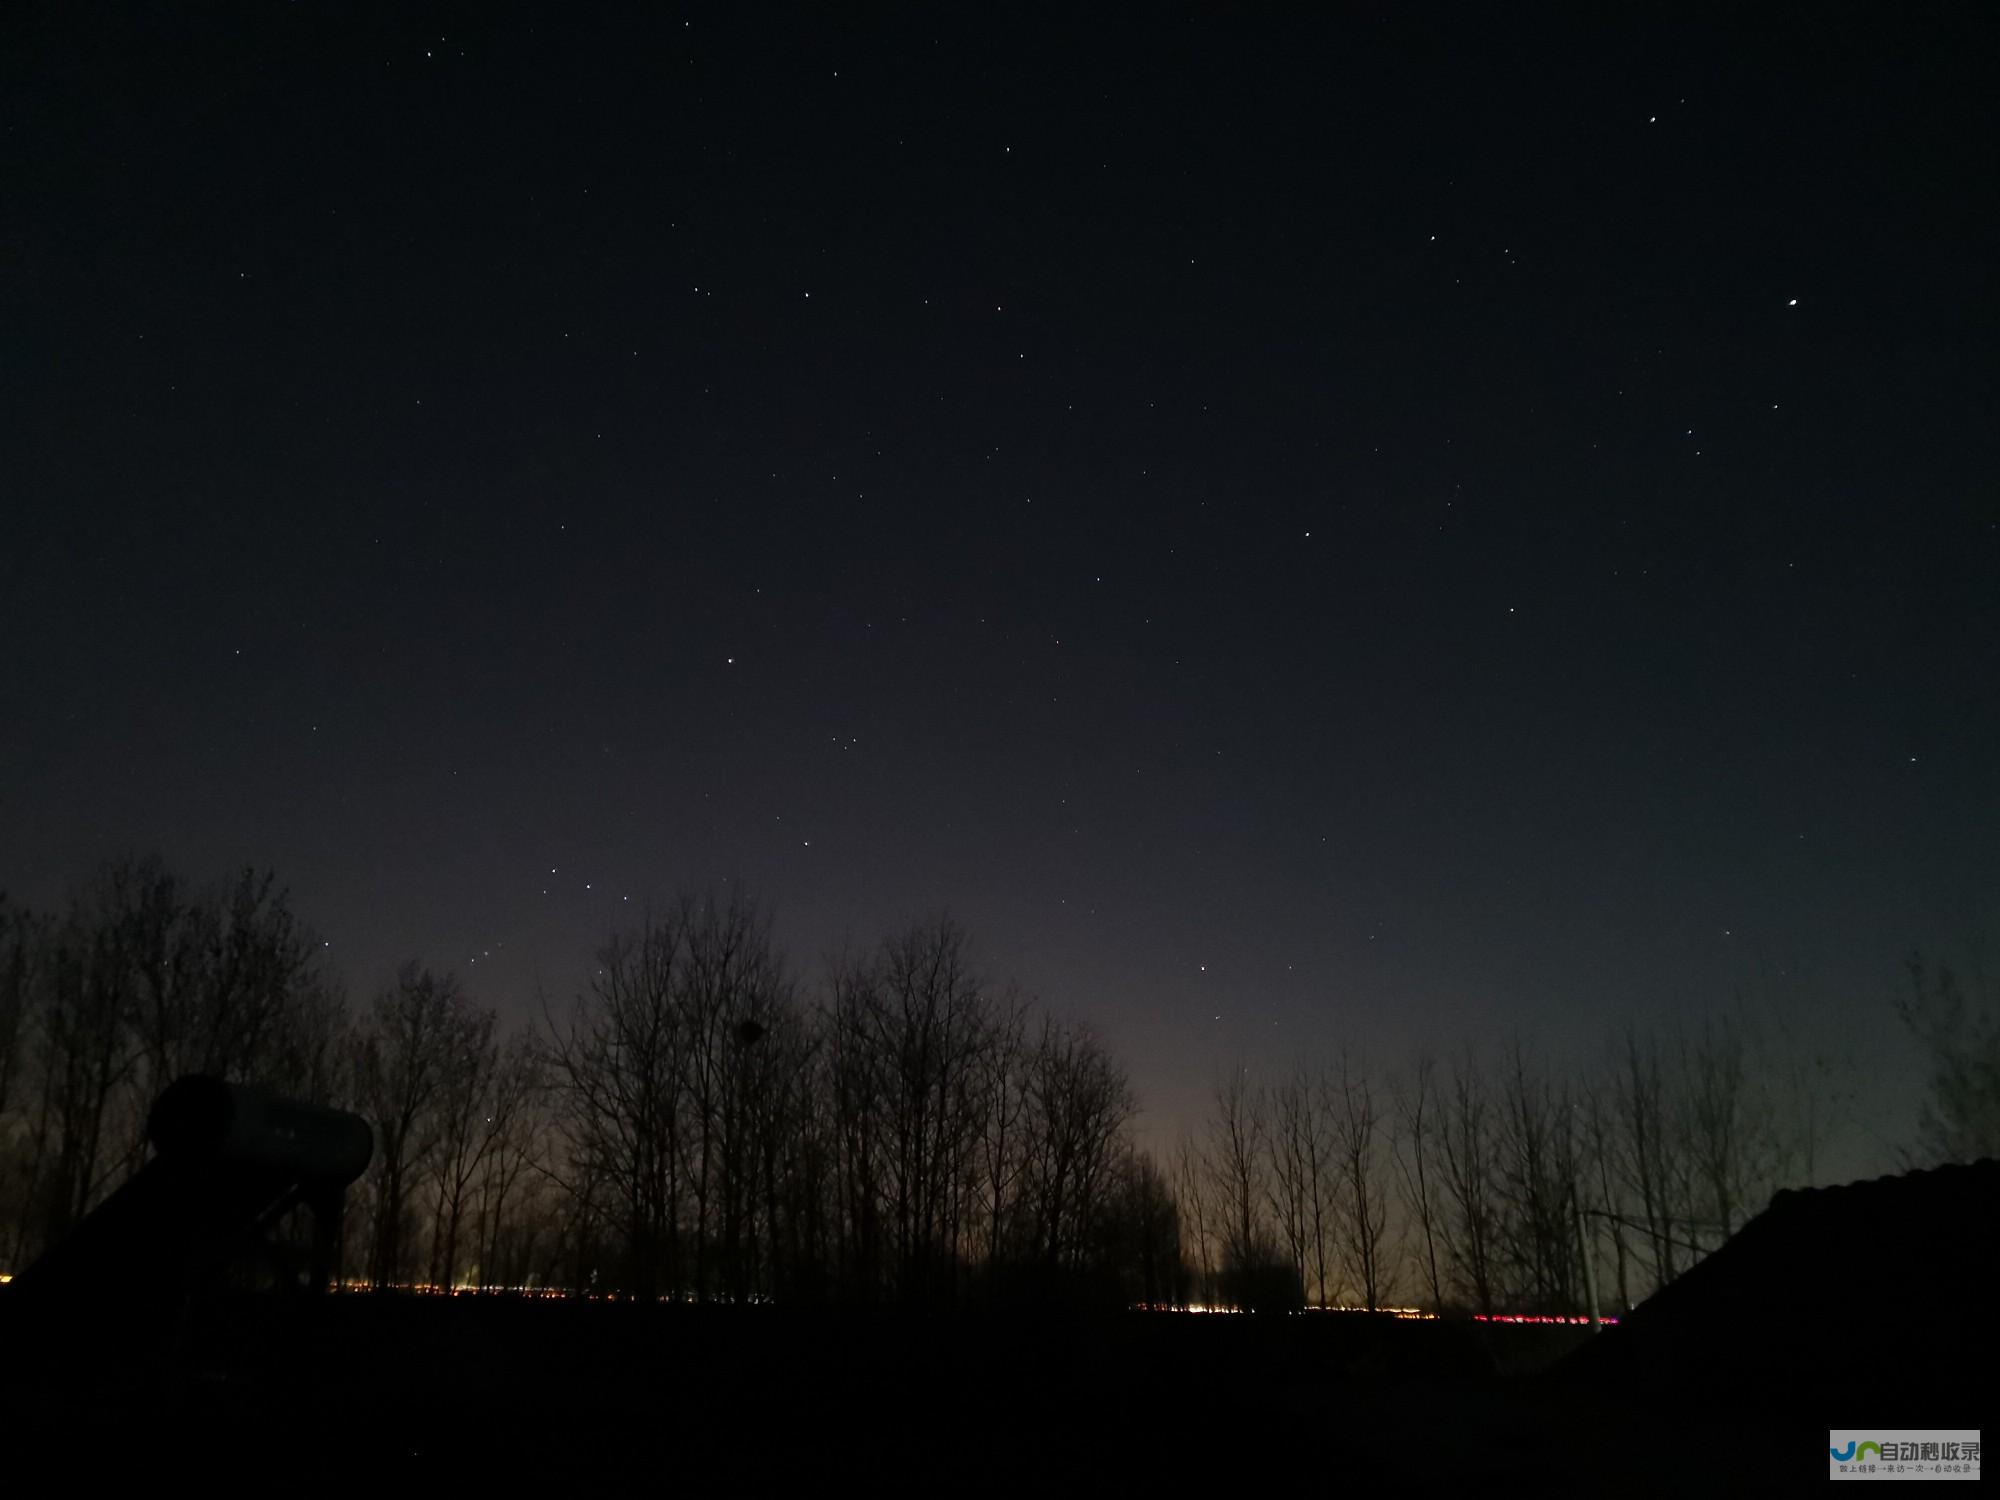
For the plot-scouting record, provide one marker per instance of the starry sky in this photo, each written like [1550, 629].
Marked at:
[1395, 528]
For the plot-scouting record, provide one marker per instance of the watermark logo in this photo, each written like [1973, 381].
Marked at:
[1903, 1453]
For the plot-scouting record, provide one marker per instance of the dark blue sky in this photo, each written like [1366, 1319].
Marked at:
[1389, 529]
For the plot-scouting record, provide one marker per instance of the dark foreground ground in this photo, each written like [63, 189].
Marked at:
[762, 1400]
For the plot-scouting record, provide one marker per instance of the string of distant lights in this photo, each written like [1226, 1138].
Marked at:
[542, 1293]
[1531, 1318]
[545, 1293]
[1411, 1315]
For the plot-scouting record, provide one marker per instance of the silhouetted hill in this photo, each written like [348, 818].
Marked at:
[1877, 1287]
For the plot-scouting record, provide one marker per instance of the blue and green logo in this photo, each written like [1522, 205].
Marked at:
[1850, 1453]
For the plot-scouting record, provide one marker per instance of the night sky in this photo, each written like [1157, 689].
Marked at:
[1392, 530]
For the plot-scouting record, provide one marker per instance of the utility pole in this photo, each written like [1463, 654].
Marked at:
[1589, 1264]
[1583, 1247]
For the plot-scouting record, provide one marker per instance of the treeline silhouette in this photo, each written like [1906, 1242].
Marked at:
[693, 1124]
[1498, 1185]
[697, 1121]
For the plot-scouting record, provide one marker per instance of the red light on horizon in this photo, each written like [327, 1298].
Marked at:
[1531, 1318]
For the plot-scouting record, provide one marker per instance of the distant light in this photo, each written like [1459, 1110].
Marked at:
[1531, 1318]
[1412, 1314]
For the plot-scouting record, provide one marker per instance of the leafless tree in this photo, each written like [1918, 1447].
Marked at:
[1957, 1025]
[86, 1055]
[728, 993]
[1235, 1159]
[217, 976]
[406, 1054]
[465, 1134]
[1466, 1138]
[1191, 1185]
[1535, 1178]
[792, 1148]
[1416, 1166]
[1005, 1073]
[308, 1057]
[20, 953]
[139, 979]
[1809, 1078]
[514, 1141]
[616, 1063]
[1359, 1137]
[921, 1024]
[1138, 1229]
[1300, 1185]
[1732, 1143]
[1601, 1197]
[937, 1029]
[1650, 1151]
[859, 1105]
[1078, 1105]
